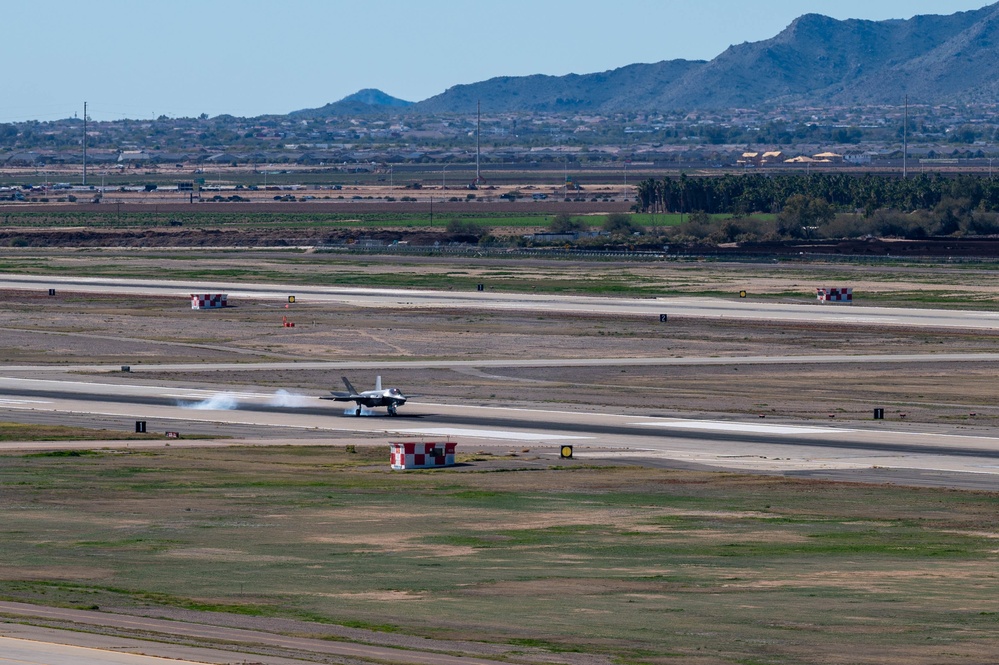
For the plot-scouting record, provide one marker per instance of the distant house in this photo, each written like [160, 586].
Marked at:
[171, 157]
[750, 159]
[829, 157]
[772, 157]
[132, 157]
[25, 159]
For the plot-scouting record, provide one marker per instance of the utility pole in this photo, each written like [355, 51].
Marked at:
[905, 139]
[478, 131]
[681, 201]
[84, 144]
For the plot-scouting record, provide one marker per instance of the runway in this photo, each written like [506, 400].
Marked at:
[19, 652]
[706, 308]
[771, 446]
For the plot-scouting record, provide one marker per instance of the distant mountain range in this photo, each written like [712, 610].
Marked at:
[816, 60]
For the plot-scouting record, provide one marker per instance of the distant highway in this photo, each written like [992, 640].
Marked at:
[704, 308]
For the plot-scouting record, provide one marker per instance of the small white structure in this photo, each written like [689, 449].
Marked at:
[209, 300]
[412, 455]
[834, 295]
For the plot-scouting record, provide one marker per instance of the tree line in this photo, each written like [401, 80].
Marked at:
[758, 193]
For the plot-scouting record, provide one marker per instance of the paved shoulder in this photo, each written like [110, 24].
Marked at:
[38, 653]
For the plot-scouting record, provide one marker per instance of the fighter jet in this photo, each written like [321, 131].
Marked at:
[389, 397]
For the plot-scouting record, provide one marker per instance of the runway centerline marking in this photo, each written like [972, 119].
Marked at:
[741, 427]
[489, 434]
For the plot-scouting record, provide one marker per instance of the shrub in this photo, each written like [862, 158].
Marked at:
[465, 227]
[621, 224]
[563, 223]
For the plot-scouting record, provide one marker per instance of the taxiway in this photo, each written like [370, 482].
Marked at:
[738, 309]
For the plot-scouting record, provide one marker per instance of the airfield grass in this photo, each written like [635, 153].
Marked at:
[32, 432]
[641, 565]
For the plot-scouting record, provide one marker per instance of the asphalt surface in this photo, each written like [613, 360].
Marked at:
[18, 652]
[496, 420]
[245, 642]
[843, 450]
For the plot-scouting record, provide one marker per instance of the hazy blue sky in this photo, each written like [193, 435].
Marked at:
[140, 59]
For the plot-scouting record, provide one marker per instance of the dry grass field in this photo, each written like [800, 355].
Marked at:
[508, 556]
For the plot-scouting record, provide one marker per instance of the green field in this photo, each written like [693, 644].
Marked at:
[645, 566]
[111, 219]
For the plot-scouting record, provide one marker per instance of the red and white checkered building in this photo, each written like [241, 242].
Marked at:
[834, 295]
[412, 455]
[209, 300]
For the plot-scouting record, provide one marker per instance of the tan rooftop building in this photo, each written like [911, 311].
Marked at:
[772, 157]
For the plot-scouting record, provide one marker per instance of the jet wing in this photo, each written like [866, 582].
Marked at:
[342, 397]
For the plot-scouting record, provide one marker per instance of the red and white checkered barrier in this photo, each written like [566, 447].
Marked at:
[835, 295]
[209, 300]
[412, 455]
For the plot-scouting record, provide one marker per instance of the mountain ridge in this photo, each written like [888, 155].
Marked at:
[815, 60]
[367, 100]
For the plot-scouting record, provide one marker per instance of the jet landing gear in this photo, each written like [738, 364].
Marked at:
[358, 411]
[391, 410]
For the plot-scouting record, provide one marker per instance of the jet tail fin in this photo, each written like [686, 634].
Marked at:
[349, 387]
[378, 383]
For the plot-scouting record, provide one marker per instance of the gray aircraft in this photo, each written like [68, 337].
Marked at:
[388, 397]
